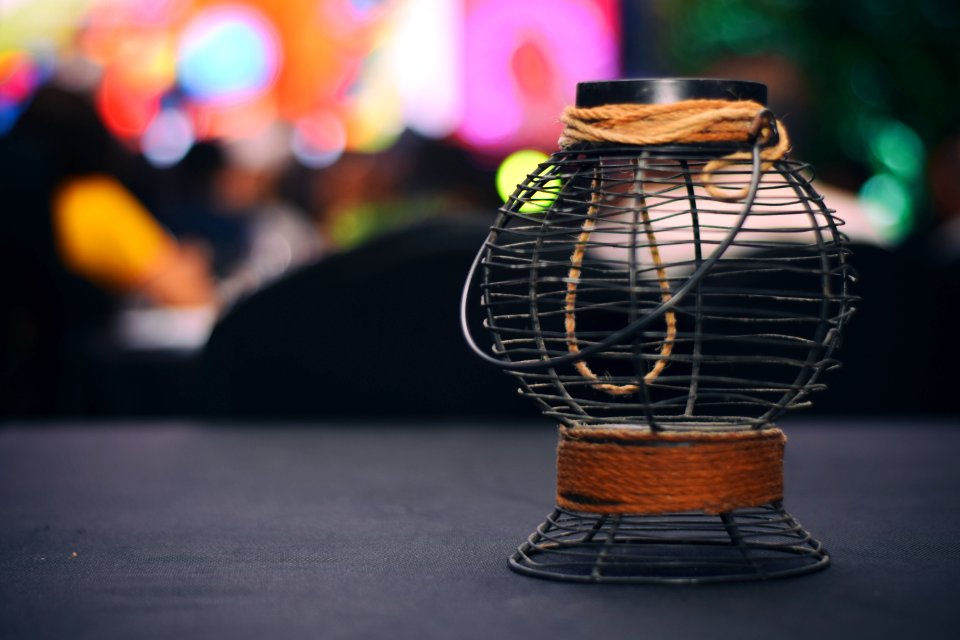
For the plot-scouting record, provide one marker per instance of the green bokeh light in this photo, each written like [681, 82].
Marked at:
[888, 205]
[898, 148]
[352, 227]
[515, 169]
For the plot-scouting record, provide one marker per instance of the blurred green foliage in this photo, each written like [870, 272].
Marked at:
[882, 79]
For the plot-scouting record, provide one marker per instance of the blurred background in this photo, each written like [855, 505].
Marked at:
[267, 209]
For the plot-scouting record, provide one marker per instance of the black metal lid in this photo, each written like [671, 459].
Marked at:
[666, 90]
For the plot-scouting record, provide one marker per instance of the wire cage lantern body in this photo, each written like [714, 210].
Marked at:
[666, 289]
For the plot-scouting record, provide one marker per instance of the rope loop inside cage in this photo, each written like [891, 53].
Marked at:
[667, 305]
[570, 301]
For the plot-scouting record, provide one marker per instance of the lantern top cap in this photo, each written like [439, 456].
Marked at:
[667, 90]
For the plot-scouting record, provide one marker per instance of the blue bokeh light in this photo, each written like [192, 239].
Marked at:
[9, 112]
[227, 54]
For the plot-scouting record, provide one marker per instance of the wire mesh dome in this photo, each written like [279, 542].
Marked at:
[693, 282]
[602, 235]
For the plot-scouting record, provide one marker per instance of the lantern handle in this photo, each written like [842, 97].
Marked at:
[630, 329]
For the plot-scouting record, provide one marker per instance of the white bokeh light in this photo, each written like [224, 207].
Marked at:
[168, 138]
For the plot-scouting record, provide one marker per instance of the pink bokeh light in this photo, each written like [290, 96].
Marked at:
[522, 62]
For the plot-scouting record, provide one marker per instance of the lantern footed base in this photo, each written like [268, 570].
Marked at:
[756, 543]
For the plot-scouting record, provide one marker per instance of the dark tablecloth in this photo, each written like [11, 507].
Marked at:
[181, 530]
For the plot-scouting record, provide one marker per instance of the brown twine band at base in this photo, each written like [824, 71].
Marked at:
[623, 470]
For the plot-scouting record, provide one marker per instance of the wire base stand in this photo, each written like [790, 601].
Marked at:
[756, 543]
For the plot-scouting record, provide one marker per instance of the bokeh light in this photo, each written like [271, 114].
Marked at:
[125, 110]
[425, 60]
[522, 62]
[32, 25]
[168, 138]
[19, 76]
[351, 227]
[897, 156]
[8, 115]
[898, 148]
[491, 74]
[319, 141]
[228, 53]
[888, 205]
[516, 168]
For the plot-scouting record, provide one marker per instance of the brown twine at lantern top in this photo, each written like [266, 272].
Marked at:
[689, 121]
[686, 122]
[623, 470]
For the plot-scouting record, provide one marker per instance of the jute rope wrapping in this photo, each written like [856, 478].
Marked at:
[686, 122]
[690, 121]
[620, 470]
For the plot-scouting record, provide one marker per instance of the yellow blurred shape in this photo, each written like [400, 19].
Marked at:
[105, 235]
[525, 167]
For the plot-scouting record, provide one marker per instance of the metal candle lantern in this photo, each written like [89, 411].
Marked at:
[666, 286]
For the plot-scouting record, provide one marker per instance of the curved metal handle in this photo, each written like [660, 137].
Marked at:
[635, 326]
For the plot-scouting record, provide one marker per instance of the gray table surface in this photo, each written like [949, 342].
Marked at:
[185, 530]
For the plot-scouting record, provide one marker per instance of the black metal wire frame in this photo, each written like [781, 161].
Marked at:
[753, 334]
[747, 544]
